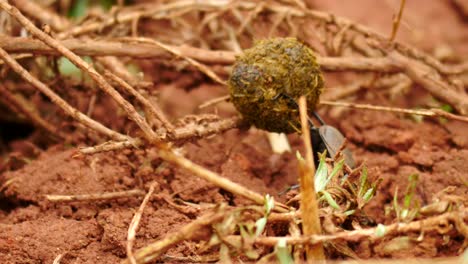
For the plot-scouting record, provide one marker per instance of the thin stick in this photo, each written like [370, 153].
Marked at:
[68, 109]
[422, 112]
[152, 108]
[94, 196]
[196, 64]
[180, 134]
[117, 67]
[44, 15]
[309, 204]
[135, 222]
[214, 101]
[111, 146]
[80, 63]
[154, 250]
[216, 179]
[397, 21]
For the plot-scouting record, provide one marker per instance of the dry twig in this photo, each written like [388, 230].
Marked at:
[309, 203]
[132, 229]
[422, 112]
[94, 196]
[154, 250]
[44, 15]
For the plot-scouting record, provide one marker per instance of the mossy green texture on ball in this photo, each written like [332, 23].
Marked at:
[269, 78]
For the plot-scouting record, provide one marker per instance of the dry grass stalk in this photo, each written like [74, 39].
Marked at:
[152, 108]
[117, 67]
[397, 21]
[421, 112]
[94, 196]
[132, 229]
[154, 250]
[46, 16]
[309, 203]
[216, 179]
[196, 64]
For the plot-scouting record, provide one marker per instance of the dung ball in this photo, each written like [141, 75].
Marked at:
[268, 79]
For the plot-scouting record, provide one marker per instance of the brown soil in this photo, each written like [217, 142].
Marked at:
[34, 230]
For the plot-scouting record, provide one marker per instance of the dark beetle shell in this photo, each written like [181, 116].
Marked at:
[267, 80]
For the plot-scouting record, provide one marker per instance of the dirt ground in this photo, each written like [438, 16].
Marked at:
[393, 146]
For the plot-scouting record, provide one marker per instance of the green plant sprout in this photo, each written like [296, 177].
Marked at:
[248, 230]
[407, 211]
[282, 252]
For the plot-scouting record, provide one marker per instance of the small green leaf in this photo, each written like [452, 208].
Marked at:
[269, 204]
[260, 226]
[368, 195]
[338, 167]
[78, 9]
[106, 4]
[380, 230]
[282, 252]
[411, 190]
[251, 254]
[214, 240]
[321, 175]
[330, 200]
[363, 182]
[67, 68]
[447, 108]
[299, 156]
[349, 212]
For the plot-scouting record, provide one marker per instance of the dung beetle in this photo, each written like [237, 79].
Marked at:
[329, 138]
[325, 137]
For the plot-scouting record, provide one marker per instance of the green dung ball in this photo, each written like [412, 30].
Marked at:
[268, 79]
